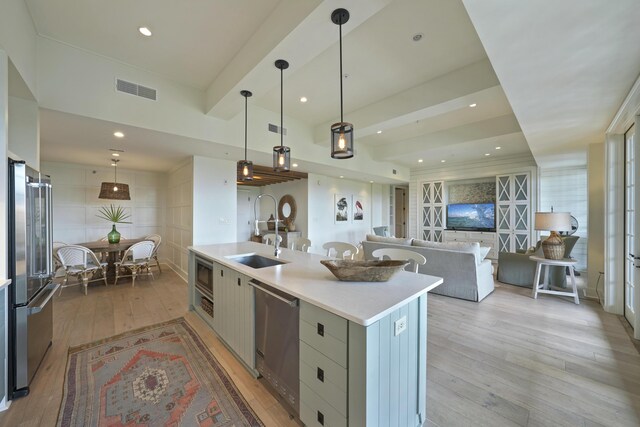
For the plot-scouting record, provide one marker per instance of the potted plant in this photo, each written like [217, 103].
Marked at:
[116, 215]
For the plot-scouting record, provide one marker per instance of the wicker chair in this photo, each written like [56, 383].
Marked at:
[156, 239]
[135, 260]
[82, 263]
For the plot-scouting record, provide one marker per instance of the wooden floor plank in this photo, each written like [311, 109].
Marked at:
[507, 361]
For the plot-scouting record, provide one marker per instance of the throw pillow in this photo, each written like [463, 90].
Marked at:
[393, 240]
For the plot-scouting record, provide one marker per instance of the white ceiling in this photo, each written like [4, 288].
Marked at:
[418, 93]
[566, 67]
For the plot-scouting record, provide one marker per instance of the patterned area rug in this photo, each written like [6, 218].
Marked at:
[162, 375]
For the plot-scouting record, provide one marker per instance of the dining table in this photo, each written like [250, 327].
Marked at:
[112, 249]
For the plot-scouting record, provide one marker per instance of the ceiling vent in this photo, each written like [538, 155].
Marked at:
[276, 129]
[135, 89]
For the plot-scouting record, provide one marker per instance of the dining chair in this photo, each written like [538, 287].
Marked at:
[300, 244]
[135, 260]
[81, 263]
[156, 239]
[268, 239]
[341, 249]
[401, 254]
[57, 263]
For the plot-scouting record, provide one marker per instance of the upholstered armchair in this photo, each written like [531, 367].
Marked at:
[517, 269]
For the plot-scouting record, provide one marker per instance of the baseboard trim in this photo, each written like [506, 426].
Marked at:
[176, 270]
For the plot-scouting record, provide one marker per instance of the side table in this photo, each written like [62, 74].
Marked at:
[544, 287]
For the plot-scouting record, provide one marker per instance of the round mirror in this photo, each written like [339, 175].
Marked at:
[287, 208]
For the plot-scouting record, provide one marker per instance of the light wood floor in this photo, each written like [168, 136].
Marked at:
[509, 360]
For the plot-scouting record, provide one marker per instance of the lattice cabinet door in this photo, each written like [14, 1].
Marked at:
[513, 216]
[432, 211]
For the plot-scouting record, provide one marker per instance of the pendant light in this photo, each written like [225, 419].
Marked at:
[341, 132]
[113, 190]
[245, 167]
[281, 154]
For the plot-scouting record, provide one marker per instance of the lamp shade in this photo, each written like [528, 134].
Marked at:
[553, 221]
[114, 191]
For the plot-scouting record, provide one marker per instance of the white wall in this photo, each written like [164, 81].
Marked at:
[18, 38]
[246, 199]
[322, 227]
[300, 192]
[24, 131]
[214, 201]
[595, 250]
[380, 204]
[179, 217]
[76, 203]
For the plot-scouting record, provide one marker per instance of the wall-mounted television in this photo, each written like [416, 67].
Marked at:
[471, 216]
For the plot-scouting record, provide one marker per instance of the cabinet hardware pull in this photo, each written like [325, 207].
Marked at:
[221, 273]
[320, 374]
[238, 281]
[320, 418]
[320, 329]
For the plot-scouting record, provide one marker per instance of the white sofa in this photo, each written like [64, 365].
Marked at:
[467, 275]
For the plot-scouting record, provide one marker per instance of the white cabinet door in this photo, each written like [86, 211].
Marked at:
[513, 211]
[432, 211]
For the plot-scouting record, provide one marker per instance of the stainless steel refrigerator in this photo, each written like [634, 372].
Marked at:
[31, 270]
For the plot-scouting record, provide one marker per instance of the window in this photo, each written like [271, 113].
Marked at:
[566, 190]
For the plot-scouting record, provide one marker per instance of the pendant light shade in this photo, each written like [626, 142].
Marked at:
[114, 190]
[281, 154]
[341, 132]
[245, 167]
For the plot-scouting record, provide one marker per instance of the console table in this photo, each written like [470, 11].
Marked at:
[543, 288]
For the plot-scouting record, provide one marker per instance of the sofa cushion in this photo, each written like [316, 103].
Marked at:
[467, 247]
[393, 240]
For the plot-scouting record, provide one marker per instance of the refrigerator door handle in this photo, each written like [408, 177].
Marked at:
[51, 289]
[49, 227]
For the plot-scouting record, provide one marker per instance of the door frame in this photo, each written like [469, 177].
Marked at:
[614, 255]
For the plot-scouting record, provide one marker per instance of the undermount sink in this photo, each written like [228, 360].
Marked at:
[255, 260]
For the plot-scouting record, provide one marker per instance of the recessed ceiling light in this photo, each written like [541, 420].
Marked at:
[145, 31]
[303, 99]
[443, 161]
[371, 182]
[472, 105]
[420, 160]
[417, 37]
[379, 131]
[115, 154]
[487, 154]
[341, 176]
[118, 134]
[295, 165]
[113, 164]
[497, 148]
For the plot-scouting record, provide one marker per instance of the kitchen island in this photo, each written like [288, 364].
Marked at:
[362, 345]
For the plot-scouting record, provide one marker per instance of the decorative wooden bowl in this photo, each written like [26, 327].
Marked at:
[364, 271]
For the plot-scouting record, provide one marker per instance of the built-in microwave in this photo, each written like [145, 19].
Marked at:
[204, 277]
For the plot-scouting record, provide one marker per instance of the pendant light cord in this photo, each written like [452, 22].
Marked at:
[341, 112]
[115, 172]
[281, 108]
[245, 128]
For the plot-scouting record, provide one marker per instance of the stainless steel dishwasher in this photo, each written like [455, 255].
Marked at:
[277, 346]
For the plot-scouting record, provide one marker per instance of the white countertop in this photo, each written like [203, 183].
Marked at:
[305, 278]
[4, 282]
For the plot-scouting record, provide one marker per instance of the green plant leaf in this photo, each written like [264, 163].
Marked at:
[114, 214]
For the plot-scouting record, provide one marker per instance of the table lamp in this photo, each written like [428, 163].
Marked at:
[553, 246]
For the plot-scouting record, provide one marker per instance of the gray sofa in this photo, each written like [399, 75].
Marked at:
[517, 269]
[464, 277]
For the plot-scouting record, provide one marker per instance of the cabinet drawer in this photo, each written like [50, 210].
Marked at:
[314, 411]
[324, 376]
[322, 341]
[333, 325]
